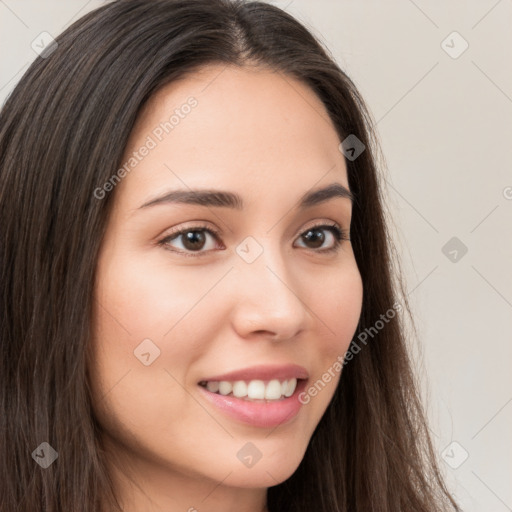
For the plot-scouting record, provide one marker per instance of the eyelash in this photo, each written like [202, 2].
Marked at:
[338, 233]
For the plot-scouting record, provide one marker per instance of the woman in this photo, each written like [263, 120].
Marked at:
[198, 304]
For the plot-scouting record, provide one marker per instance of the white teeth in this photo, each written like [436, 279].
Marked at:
[225, 387]
[254, 389]
[273, 390]
[239, 389]
[212, 386]
[290, 387]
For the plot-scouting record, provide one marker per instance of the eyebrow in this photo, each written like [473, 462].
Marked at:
[220, 198]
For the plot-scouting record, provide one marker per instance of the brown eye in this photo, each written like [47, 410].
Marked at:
[190, 240]
[315, 237]
[193, 240]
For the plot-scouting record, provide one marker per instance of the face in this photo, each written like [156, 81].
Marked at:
[197, 301]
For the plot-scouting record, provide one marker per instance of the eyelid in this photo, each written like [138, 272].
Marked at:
[198, 226]
[320, 224]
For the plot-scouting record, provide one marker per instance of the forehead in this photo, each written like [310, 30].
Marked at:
[247, 129]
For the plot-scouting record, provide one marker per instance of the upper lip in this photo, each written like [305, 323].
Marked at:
[262, 372]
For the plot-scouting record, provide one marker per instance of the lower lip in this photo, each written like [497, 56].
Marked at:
[258, 414]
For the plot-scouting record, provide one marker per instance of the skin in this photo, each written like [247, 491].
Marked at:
[268, 138]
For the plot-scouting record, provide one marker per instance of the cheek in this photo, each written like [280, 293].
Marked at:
[146, 306]
[137, 302]
[148, 296]
[338, 306]
[141, 322]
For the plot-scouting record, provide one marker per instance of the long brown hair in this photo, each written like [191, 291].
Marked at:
[63, 131]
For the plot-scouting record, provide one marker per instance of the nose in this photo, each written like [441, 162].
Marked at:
[267, 301]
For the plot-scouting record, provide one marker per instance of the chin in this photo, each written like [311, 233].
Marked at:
[269, 470]
[263, 477]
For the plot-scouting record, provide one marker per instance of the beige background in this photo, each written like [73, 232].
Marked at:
[446, 126]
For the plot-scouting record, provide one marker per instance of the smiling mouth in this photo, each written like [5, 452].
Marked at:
[256, 390]
[257, 402]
